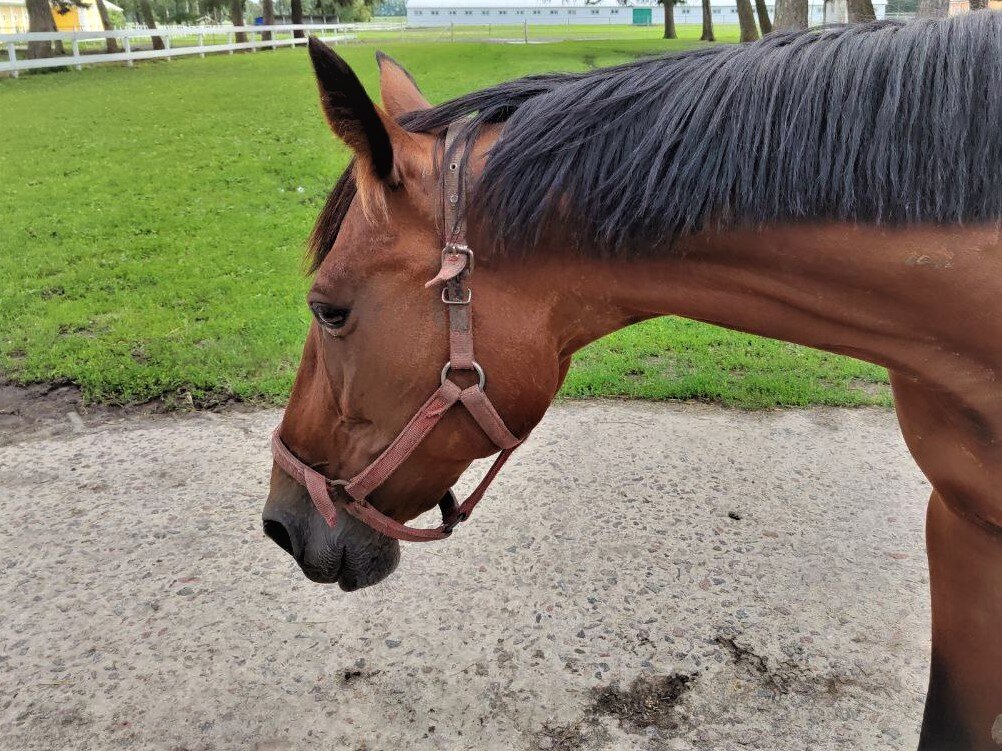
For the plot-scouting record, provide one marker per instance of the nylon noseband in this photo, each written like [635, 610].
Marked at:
[456, 268]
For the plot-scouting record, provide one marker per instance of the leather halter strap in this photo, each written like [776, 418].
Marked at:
[456, 267]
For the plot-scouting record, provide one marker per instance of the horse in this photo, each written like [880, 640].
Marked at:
[838, 188]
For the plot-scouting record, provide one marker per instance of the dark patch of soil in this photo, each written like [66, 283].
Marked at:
[59, 407]
[778, 679]
[649, 701]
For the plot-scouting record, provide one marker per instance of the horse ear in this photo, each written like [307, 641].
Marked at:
[351, 114]
[398, 88]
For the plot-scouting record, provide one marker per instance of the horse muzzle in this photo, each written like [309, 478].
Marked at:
[349, 554]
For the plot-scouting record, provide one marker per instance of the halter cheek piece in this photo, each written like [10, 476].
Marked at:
[456, 268]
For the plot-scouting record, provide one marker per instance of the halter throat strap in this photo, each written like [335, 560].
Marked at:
[456, 267]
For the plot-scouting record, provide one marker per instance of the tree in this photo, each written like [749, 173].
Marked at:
[268, 16]
[670, 17]
[763, 16]
[791, 15]
[707, 23]
[860, 11]
[979, 4]
[110, 44]
[746, 19]
[296, 10]
[39, 19]
[933, 8]
[237, 19]
[347, 11]
[150, 20]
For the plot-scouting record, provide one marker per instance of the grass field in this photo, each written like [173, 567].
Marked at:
[153, 223]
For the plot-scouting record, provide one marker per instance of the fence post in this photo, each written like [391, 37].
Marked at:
[167, 46]
[12, 55]
[201, 43]
[525, 30]
[127, 43]
[231, 40]
[75, 44]
[452, 32]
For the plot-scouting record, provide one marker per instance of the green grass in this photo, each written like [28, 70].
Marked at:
[153, 223]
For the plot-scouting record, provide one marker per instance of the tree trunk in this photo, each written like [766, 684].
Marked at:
[746, 19]
[763, 17]
[39, 19]
[933, 9]
[268, 16]
[110, 43]
[791, 15]
[296, 10]
[979, 4]
[860, 11]
[237, 19]
[707, 23]
[670, 19]
[146, 12]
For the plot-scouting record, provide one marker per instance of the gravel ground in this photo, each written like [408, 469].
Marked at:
[641, 577]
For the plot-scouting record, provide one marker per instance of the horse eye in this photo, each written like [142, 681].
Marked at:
[329, 316]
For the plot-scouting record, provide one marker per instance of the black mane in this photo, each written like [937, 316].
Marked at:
[883, 123]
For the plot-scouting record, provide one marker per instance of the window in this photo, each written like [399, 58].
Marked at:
[615, 12]
[485, 12]
[553, 12]
[468, 12]
[452, 12]
[418, 12]
[535, 12]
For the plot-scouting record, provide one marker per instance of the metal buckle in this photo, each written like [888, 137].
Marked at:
[476, 366]
[459, 249]
[449, 301]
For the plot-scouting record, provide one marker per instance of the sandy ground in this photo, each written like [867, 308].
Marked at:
[604, 597]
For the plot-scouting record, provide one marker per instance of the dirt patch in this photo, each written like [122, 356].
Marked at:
[58, 407]
[778, 678]
[648, 702]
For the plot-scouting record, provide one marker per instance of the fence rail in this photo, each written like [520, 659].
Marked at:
[334, 32]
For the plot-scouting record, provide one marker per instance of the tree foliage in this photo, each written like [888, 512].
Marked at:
[220, 11]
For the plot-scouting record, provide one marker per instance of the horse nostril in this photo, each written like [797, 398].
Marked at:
[277, 532]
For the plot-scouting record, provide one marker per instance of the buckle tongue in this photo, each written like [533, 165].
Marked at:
[456, 259]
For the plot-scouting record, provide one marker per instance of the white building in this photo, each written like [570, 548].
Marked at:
[578, 12]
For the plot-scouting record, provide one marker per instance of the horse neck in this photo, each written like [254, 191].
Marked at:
[892, 297]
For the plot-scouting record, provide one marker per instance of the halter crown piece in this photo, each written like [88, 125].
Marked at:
[456, 268]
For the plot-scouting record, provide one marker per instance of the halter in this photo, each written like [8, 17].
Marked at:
[456, 268]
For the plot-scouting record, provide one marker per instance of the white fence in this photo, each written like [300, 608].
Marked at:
[195, 36]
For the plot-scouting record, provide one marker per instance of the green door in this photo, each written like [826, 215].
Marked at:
[642, 16]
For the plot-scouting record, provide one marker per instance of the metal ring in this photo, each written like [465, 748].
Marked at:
[476, 367]
[462, 301]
